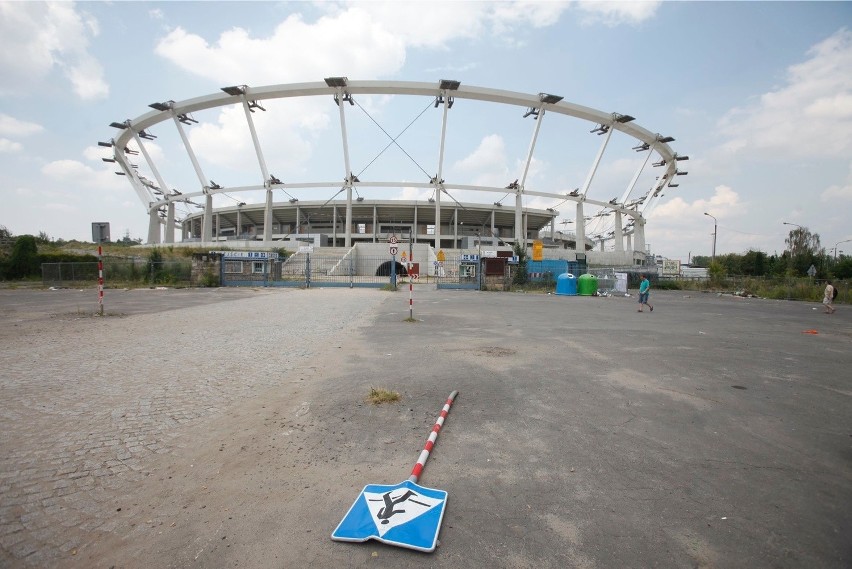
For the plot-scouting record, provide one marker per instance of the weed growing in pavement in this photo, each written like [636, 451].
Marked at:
[380, 395]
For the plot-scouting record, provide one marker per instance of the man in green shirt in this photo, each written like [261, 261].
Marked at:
[643, 293]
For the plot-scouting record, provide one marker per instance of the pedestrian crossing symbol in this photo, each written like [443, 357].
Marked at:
[407, 515]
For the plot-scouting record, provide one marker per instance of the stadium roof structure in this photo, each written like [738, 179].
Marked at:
[206, 225]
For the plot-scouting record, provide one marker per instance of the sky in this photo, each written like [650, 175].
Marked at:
[757, 94]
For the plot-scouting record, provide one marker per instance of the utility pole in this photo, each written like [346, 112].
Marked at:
[715, 229]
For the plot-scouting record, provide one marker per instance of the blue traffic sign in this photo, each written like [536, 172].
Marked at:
[407, 515]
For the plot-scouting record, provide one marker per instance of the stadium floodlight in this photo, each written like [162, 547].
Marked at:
[679, 173]
[273, 180]
[336, 81]
[162, 106]
[449, 85]
[120, 174]
[185, 118]
[623, 119]
[665, 139]
[146, 135]
[108, 159]
[106, 144]
[121, 125]
[660, 163]
[255, 105]
[642, 147]
[235, 89]
[549, 99]
[679, 158]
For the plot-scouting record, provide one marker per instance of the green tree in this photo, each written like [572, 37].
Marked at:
[805, 250]
[717, 272]
[701, 261]
[24, 261]
[754, 263]
[843, 267]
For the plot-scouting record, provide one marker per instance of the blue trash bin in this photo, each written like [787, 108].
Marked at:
[566, 284]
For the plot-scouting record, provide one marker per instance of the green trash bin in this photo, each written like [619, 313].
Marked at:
[587, 285]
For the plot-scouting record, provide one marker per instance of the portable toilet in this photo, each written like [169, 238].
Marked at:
[587, 285]
[566, 284]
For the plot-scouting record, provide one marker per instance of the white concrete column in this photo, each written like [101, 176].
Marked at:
[170, 223]
[619, 233]
[207, 226]
[154, 226]
[580, 230]
[639, 232]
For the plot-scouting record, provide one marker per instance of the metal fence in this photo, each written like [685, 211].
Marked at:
[173, 273]
[306, 270]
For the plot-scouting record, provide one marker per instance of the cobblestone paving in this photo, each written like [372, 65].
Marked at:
[86, 402]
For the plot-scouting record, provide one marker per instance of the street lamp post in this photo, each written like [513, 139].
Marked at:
[715, 229]
[835, 247]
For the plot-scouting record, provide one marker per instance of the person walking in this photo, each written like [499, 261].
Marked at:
[643, 293]
[828, 298]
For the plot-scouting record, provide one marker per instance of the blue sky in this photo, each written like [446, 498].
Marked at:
[758, 94]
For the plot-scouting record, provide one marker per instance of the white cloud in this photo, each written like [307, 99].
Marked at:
[418, 194]
[71, 173]
[724, 202]
[487, 165]
[10, 126]
[363, 39]
[41, 38]
[7, 146]
[351, 42]
[810, 115]
[616, 13]
[287, 137]
[837, 192]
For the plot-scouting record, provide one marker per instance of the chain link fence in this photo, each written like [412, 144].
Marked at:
[117, 273]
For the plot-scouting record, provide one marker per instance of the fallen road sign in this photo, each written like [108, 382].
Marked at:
[405, 514]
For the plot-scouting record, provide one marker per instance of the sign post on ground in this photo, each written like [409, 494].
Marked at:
[406, 514]
[100, 281]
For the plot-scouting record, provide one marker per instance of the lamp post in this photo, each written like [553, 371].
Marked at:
[715, 229]
[835, 247]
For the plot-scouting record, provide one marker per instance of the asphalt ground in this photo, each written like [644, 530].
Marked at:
[715, 431]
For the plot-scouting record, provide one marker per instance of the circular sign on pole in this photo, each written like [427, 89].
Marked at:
[393, 240]
[394, 250]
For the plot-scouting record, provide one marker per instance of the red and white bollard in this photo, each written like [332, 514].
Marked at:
[430, 442]
[100, 281]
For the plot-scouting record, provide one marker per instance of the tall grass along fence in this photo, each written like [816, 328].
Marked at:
[121, 273]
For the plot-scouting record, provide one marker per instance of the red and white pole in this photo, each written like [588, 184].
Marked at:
[100, 281]
[410, 298]
[430, 442]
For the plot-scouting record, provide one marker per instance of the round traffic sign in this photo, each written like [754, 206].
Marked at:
[394, 250]
[393, 240]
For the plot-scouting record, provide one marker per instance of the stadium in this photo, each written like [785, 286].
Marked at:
[450, 213]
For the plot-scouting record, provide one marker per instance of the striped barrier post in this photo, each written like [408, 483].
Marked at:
[410, 299]
[100, 281]
[430, 442]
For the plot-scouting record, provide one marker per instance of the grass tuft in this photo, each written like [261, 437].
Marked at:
[379, 395]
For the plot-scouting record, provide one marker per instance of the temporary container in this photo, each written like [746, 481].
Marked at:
[587, 285]
[566, 284]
